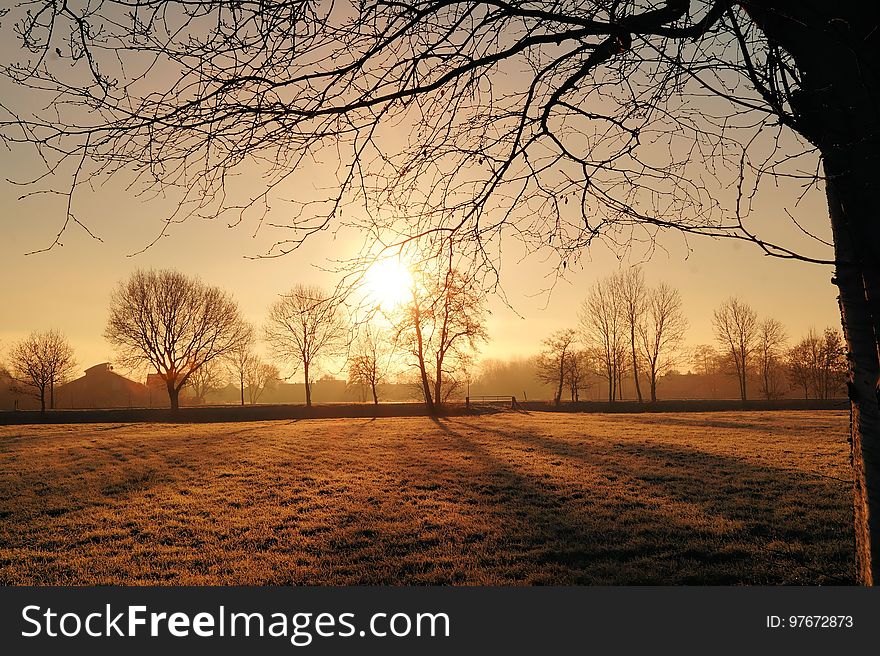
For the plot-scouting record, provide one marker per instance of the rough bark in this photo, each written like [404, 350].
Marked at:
[856, 291]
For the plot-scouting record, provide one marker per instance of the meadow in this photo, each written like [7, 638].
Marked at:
[507, 498]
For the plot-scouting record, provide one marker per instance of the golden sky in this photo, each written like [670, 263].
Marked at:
[68, 288]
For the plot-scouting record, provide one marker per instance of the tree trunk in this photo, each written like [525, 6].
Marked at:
[858, 286]
[426, 387]
[52, 394]
[173, 396]
[632, 336]
[420, 354]
[308, 385]
[558, 398]
[241, 381]
[375, 395]
[438, 383]
[653, 387]
[836, 109]
[43, 399]
[741, 372]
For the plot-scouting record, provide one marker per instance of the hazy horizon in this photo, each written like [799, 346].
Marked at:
[68, 288]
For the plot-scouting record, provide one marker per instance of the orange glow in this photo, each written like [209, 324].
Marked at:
[388, 283]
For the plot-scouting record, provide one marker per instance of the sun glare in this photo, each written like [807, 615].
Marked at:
[388, 283]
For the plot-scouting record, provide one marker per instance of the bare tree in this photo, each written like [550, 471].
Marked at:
[630, 284]
[458, 313]
[771, 338]
[577, 371]
[206, 379]
[441, 326]
[736, 329]
[368, 365]
[661, 333]
[554, 361]
[259, 376]
[793, 81]
[801, 360]
[40, 362]
[603, 329]
[705, 359]
[241, 357]
[834, 364]
[304, 326]
[173, 323]
[817, 364]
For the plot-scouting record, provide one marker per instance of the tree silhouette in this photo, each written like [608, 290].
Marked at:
[303, 326]
[241, 358]
[206, 379]
[577, 371]
[40, 362]
[557, 123]
[172, 323]
[769, 353]
[554, 361]
[630, 285]
[661, 332]
[736, 330]
[603, 328]
[440, 326]
[817, 364]
[259, 376]
[369, 362]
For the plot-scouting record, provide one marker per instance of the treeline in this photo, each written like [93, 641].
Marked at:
[191, 335]
[629, 330]
[629, 337]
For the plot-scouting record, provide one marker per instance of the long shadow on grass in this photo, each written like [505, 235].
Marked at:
[791, 518]
[537, 537]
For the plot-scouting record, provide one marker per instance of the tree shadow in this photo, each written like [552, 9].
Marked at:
[722, 507]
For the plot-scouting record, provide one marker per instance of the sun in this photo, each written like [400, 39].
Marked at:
[388, 284]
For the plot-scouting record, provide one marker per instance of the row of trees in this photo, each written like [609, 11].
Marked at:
[629, 329]
[817, 363]
[626, 327]
[192, 335]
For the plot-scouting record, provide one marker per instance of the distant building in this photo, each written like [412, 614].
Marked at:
[13, 397]
[101, 387]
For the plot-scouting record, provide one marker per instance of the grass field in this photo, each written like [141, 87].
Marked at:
[714, 498]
